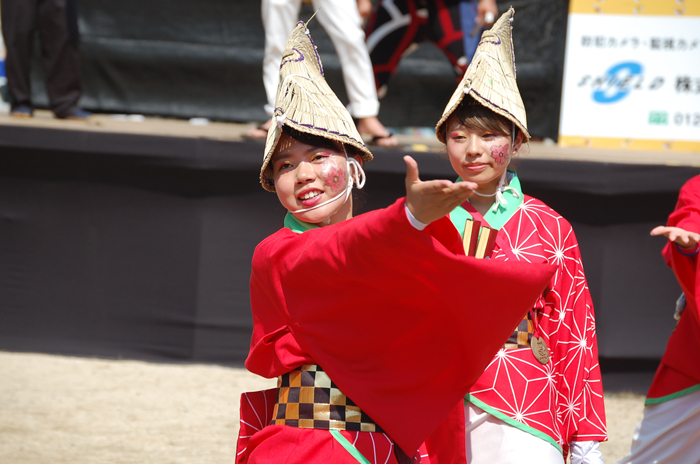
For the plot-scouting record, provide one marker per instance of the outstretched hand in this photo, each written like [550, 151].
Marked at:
[430, 200]
[682, 237]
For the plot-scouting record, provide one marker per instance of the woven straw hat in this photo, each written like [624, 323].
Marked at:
[305, 101]
[490, 77]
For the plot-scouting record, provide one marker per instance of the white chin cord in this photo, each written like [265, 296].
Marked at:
[500, 199]
[356, 175]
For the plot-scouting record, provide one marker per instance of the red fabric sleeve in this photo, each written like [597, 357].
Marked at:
[587, 384]
[380, 306]
[685, 339]
[679, 367]
[446, 445]
[255, 412]
[687, 212]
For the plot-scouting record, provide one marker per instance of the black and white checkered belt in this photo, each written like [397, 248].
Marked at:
[307, 398]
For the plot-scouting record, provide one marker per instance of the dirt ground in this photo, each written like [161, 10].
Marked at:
[60, 410]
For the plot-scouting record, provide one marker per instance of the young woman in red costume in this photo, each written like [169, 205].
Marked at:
[670, 429]
[356, 316]
[541, 396]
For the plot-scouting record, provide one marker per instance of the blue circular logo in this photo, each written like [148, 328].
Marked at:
[618, 82]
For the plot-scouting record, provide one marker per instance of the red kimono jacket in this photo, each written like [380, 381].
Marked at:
[561, 401]
[372, 301]
[679, 372]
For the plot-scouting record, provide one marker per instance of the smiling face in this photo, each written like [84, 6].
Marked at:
[306, 175]
[479, 154]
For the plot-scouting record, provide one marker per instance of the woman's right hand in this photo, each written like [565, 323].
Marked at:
[684, 238]
[431, 200]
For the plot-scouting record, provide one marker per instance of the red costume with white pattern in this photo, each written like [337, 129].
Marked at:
[564, 398]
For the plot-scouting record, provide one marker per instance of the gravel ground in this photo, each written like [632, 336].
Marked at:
[61, 410]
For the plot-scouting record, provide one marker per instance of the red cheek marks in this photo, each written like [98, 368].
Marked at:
[499, 154]
[335, 179]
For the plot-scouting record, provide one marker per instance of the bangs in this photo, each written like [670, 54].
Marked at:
[473, 115]
[313, 140]
[321, 142]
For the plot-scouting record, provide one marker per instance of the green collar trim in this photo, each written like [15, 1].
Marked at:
[510, 421]
[673, 396]
[295, 225]
[497, 219]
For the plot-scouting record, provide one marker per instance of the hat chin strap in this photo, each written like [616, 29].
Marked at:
[502, 187]
[357, 174]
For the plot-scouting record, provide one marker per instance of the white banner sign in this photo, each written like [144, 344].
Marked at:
[632, 77]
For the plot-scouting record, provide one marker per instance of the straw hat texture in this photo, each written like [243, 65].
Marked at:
[305, 101]
[490, 77]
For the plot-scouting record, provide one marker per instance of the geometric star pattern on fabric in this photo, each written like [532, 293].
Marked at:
[563, 398]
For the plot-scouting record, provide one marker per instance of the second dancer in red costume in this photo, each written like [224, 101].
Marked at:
[670, 429]
[541, 396]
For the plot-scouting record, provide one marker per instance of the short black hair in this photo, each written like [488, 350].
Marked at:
[314, 141]
[318, 141]
[472, 114]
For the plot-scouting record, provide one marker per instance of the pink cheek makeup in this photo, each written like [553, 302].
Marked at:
[335, 179]
[333, 176]
[499, 153]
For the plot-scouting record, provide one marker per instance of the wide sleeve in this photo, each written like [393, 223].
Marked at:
[381, 307]
[573, 337]
[686, 215]
[686, 337]
[687, 212]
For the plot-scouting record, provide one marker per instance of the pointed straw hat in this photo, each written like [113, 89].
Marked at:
[490, 78]
[305, 101]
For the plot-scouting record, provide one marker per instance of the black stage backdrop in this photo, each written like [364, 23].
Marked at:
[187, 59]
[140, 246]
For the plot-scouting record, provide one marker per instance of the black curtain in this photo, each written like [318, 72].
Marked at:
[186, 59]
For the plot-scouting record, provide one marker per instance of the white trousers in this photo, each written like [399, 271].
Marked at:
[342, 22]
[492, 441]
[669, 433]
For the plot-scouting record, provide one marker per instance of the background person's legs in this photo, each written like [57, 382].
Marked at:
[278, 18]
[341, 20]
[472, 35]
[18, 26]
[57, 22]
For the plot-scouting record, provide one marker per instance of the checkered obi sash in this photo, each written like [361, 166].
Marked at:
[522, 336]
[307, 398]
